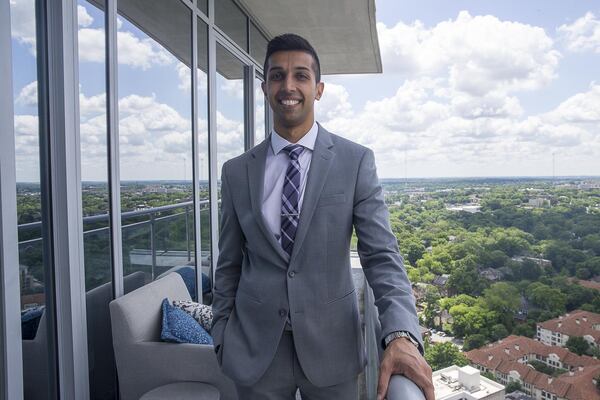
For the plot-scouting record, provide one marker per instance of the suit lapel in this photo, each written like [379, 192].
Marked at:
[321, 161]
[256, 178]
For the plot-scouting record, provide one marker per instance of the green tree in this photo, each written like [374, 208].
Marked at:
[474, 341]
[498, 332]
[502, 297]
[442, 355]
[468, 320]
[578, 345]
[547, 298]
[512, 386]
[525, 330]
[466, 279]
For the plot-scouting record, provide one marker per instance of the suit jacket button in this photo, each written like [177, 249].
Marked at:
[291, 274]
[282, 313]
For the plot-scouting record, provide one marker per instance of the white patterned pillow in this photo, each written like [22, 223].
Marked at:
[200, 312]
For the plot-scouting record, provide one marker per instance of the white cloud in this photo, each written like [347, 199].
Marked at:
[132, 51]
[94, 105]
[83, 18]
[91, 45]
[580, 108]
[28, 95]
[22, 21]
[232, 87]
[444, 132]
[582, 35]
[141, 53]
[184, 75]
[334, 104]
[478, 54]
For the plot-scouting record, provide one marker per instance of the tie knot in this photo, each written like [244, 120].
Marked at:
[294, 151]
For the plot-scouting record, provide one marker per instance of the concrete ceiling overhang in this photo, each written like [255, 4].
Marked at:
[343, 32]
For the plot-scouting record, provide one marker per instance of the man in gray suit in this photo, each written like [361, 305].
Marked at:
[285, 309]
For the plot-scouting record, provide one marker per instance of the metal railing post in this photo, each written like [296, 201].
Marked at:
[152, 244]
[187, 233]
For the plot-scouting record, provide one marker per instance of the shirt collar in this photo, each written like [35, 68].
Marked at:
[308, 140]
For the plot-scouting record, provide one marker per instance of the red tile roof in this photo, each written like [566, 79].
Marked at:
[576, 323]
[588, 284]
[504, 355]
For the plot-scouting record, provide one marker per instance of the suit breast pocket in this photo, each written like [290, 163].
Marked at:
[332, 199]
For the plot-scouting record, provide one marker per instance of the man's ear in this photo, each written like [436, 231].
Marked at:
[263, 86]
[320, 88]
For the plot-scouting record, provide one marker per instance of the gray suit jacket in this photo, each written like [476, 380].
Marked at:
[257, 284]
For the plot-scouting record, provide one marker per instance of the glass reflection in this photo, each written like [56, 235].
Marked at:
[204, 242]
[95, 203]
[232, 21]
[258, 44]
[230, 108]
[156, 139]
[38, 378]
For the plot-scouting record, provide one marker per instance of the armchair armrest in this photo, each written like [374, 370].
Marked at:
[402, 388]
[152, 364]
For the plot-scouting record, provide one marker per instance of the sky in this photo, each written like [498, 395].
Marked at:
[469, 88]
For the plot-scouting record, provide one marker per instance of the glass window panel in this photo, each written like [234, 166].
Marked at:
[230, 107]
[34, 267]
[95, 200]
[232, 21]
[258, 44]
[204, 242]
[259, 111]
[154, 46]
[203, 6]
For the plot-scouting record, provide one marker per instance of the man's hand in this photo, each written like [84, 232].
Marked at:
[401, 357]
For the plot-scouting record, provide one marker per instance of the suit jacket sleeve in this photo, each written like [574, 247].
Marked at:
[380, 257]
[229, 263]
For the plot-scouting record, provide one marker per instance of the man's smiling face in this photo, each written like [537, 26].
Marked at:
[291, 89]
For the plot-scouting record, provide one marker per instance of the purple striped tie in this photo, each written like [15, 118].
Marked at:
[290, 197]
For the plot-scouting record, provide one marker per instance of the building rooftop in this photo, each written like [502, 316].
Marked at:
[588, 284]
[509, 356]
[463, 382]
[576, 323]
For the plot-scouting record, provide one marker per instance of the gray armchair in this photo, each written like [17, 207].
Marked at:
[144, 363]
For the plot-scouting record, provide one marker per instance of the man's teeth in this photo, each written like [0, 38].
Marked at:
[290, 102]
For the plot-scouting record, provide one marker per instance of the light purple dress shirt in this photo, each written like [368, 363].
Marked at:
[276, 166]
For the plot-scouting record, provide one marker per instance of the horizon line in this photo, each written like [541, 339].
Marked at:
[471, 177]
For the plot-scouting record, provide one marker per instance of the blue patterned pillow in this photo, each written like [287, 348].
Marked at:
[180, 327]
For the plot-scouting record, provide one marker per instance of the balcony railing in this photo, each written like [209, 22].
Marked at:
[152, 242]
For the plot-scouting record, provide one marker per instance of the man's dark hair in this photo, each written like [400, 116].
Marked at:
[292, 42]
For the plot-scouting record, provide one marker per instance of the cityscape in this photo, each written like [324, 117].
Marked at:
[505, 271]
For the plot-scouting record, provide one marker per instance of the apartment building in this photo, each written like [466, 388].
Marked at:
[556, 332]
[509, 361]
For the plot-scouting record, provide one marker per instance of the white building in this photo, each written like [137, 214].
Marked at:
[556, 332]
[465, 383]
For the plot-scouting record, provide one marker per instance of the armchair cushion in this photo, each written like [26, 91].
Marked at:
[200, 312]
[180, 327]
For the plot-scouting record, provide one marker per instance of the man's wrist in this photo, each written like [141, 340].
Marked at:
[401, 334]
